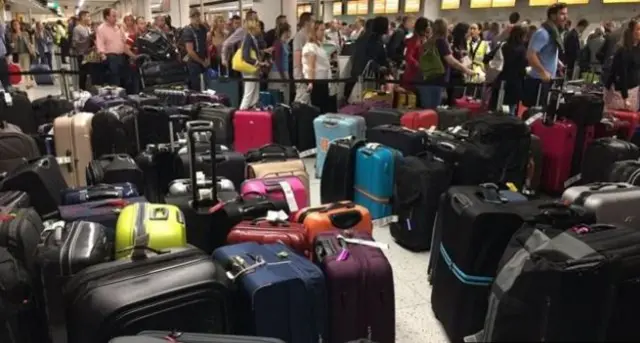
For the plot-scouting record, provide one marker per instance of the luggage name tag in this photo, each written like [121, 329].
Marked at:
[533, 118]
[8, 99]
[54, 227]
[359, 241]
[276, 216]
[238, 261]
[308, 153]
[289, 196]
[384, 221]
[570, 181]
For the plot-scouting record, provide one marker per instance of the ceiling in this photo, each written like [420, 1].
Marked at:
[24, 6]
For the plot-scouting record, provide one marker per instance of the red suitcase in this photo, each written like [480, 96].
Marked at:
[611, 126]
[294, 235]
[558, 144]
[252, 129]
[472, 103]
[423, 119]
[633, 118]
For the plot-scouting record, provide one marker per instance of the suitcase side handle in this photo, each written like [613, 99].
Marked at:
[193, 128]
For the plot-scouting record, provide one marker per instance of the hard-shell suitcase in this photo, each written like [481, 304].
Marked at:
[72, 139]
[329, 127]
[190, 337]
[558, 145]
[452, 117]
[404, 100]
[15, 147]
[179, 287]
[291, 189]
[600, 156]
[74, 196]
[252, 129]
[112, 169]
[423, 119]
[360, 289]
[407, 141]
[270, 98]
[264, 231]
[222, 119]
[375, 117]
[611, 126]
[469, 103]
[625, 171]
[534, 167]
[374, 177]
[281, 294]
[291, 167]
[20, 230]
[164, 224]
[633, 118]
[303, 117]
[336, 183]
[337, 216]
[612, 203]
[103, 211]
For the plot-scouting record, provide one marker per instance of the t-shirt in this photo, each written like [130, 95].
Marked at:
[443, 49]
[197, 36]
[299, 41]
[547, 51]
[323, 64]
[81, 39]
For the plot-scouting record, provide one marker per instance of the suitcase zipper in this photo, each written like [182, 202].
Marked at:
[74, 240]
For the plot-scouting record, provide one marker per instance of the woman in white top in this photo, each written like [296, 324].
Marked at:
[317, 66]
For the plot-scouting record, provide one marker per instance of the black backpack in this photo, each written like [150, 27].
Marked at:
[18, 314]
[16, 147]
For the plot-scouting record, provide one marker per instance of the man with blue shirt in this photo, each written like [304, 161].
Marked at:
[194, 37]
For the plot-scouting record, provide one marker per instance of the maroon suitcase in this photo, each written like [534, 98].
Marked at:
[360, 289]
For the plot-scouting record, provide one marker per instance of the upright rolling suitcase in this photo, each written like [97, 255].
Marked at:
[337, 216]
[374, 177]
[558, 144]
[612, 203]
[601, 155]
[338, 171]
[114, 131]
[15, 147]
[222, 119]
[303, 116]
[329, 127]
[409, 142]
[375, 117]
[229, 164]
[291, 189]
[72, 139]
[423, 119]
[252, 129]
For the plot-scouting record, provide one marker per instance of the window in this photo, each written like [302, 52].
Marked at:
[480, 4]
[386, 6]
[619, 1]
[542, 2]
[450, 4]
[337, 8]
[503, 3]
[411, 6]
[357, 7]
[304, 8]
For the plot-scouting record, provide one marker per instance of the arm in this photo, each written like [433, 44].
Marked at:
[247, 46]
[413, 50]
[237, 36]
[277, 57]
[297, 56]
[445, 52]
[620, 64]
[311, 58]
[538, 41]
[100, 41]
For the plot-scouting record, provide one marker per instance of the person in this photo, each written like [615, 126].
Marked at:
[477, 48]
[160, 24]
[622, 85]
[491, 34]
[22, 46]
[514, 18]
[281, 57]
[251, 54]
[4, 56]
[299, 40]
[44, 44]
[317, 66]
[232, 42]
[594, 44]
[129, 27]
[81, 42]
[215, 39]
[113, 50]
[333, 34]
[236, 23]
[412, 55]
[141, 26]
[272, 35]
[358, 28]
[396, 46]
[195, 38]
[572, 46]
[459, 51]
[514, 69]
[61, 39]
[542, 54]
[609, 48]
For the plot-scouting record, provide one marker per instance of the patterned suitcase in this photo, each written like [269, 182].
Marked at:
[558, 144]
[72, 139]
[329, 127]
[252, 129]
[291, 189]
[375, 167]
[423, 119]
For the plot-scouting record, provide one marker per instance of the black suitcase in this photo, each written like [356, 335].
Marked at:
[154, 124]
[222, 119]
[338, 170]
[160, 165]
[408, 142]
[534, 167]
[114, 130]
[161, 73]
[625, 171]
[271, 153]
[49, 108]
[382, 116]
[189, 337]
[282, 125]
[229, 164]
[303, 117]
[66, 249]
[14, 199]
[143, 99]
[163, 290]
[19, 112]
[15, 147]
[419, 183]
[602, 154]
[114, 168]
[42, 180]
[20, 231]
[452, 117]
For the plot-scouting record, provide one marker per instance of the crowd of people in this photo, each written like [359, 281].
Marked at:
[430, 57]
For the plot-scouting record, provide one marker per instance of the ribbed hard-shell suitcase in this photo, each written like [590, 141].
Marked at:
[291, 189]
[252, 129]
[72, 138]
[329, 127]
[558, 145]
[373, 185]
[612, 203]
[337, 216]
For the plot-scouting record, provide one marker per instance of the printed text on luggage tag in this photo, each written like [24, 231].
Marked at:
[384, 221]
[289, 196]
[533, 118]
[308, 153]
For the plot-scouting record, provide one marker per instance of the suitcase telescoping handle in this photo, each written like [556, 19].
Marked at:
[175, 119]
[193, 128]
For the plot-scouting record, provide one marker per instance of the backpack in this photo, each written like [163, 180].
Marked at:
[430, 62]
[16, 147]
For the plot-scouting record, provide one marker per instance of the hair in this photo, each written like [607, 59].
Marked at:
[361, 20]
[140, 18]
[12, 24]
[583, 23]
[106, 13]
[380, 25]
[494, 27]
[313, 36]
[250, 13]
[627, 41]
[459, 35]
[261, 25]
[514, 17]
[555, 9]
[304, 18]
[82, 13]
[440, 28]
[129, 17]
[252, 26]
[236, 17]
[517, 35]
[282, 28]
[421, 26]
[405, 18]
[282, 16]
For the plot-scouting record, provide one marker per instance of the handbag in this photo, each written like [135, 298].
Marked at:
[240, 65]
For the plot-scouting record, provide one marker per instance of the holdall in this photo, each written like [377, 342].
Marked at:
[290, 189]
[20, 230]
[451, 117]
[199, 299]
[281, 294]
[113, 169]
[72, 139]
[329, 127]
[42, 180]
[374, 177]
[271, 153]
[234, 208]
[188, 337]
[613, 203]
[360, 288]
[114, 131]
[74, 196]
[407, 141]
[15, 147]
[161, 73]
[303, 116]
[252, 129]
[18, 111]
[625, 171]
[222, 119]
[338, 216]
[423, 119]
[338, 171]
[375, 117]
[266, 231]
[601, 155]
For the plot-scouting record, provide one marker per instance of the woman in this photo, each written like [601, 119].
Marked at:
[250, 51]
[44, 44]
[316, 65]
[514, 69]
[459, 35]
[215, 38]
[281, 57]
[129, 26]
[358, 28]
[22, 46]
[622, 85]
[141, 25]
[412, 54]
[477, 48]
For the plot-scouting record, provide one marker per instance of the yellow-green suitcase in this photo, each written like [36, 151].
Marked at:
[163, 224]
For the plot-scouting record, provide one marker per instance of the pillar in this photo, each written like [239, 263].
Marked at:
[327, 14]
[431, 9]
[144, 9]
[179, 12]
[268, 11]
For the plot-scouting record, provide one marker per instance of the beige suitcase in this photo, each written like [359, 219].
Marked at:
[72, 137]
[291, 167]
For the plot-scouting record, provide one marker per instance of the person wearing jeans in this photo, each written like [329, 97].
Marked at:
[111, 44]
[251, 55]
[195, 38]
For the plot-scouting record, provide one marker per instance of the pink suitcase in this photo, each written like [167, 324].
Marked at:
[275, 187]
[558, 145]
[252, 129]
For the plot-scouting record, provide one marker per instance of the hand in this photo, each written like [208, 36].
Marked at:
[546, 77]
[224, 63]
[205, 63]
[268, 50]
[627, 104]
[310, 87]
[471, 72]
[103, 57]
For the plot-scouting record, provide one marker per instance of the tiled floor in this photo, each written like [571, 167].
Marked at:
[415, 322]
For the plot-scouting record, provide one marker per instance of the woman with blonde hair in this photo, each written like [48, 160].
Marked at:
[251, 54]
[215, 38]
[316, 65]
[22, 45]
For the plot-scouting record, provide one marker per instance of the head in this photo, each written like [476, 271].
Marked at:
[236, 22]
[380, 25]
[195, 17]
[284, 32]
[440, 28]
[84, 18]
[167, 20]
[494, 28]
[281, 19]
[251, 15]
[517, 35]
[631, 36]
[110, 16]
[252, 26]
[598, 32]
[359, 23]
[530, 31]
[514, 18]
[558, 14]
[218, 23]
[128, 21]
[408, 22]
[336, 24]
[160, 22]
[141, 24]
[15, 26]
[306, 21]
[474, 31]
[459, 35]
[316, 34]
[568, 24]
[421, 27]
[39, 26]
[582, 25]
[485, 26]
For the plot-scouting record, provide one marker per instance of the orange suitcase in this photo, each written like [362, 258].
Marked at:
[72, 137]
[337, 216]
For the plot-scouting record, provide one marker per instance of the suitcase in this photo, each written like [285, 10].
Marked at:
[341, 216]
[47, 109]
[208, 97]
[625, 171]
[423, 119]
[20, 230]
[142, 99]
[19, 111]
[474, 106]
[222, 119]
[114, 130]
[404, 100]
[329, 127]
[633, 118]
[163, 73]
[229, 164]
[558, 145]
[110, 91]
[600, 156]
[375, 117]
[374, 177]
[41, 180]
[451, 117]
[74, 196]
[378, 96]
[612, 203]
[66, 249]
[338, 172]
[281, 300]
[611, 126]
[183, 186]
[271, 153]
[15, 147]
[160, 165]
[112, 169]
[188, 337]
[198, 301]
[291, 167]
[407, 141]
[104, 211]
[42, 79]
[252, 129]
[270, 98]
[282, 123]
[72, 139]
[154, 124]
[534, 167]
[264, 231]
[357, 109]
[14, 199]
[419, 183]
[359, 288]
[291, 189]
[99, 102]
[303, 117]
[15, 78]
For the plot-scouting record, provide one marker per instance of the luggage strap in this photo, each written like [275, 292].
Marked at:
[371, 196]
[462, 276]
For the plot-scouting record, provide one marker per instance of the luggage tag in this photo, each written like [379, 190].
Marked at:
[289, 196]
[570, 181]
[533, 118]
[52, 227]
[308, 153]
[384, 221]
[276, 216]
[359, 241]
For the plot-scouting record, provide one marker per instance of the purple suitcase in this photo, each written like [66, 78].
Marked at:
[361, 108]
[361, 304]
[103, 212]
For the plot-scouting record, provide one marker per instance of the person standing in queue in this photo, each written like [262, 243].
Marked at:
[194, 37]
[113, 50]
[81, 42]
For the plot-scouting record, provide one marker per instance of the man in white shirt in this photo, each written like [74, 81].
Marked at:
[333, 33]
[299, 40]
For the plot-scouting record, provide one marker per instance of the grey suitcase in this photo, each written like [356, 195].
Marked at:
[612, 203]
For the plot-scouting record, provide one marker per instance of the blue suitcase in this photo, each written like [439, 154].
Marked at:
[81, 195]
[270, 98]
[329, 127]
[374, 178]
[41, 79]
[281, 294]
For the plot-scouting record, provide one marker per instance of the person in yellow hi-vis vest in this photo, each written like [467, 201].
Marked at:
[477, 48]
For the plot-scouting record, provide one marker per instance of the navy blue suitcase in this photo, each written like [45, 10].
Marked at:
[98, 102]
[281, 294]
[103, 212]
[81, 195]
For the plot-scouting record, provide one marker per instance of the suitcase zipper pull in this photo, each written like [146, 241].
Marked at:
[344, 254]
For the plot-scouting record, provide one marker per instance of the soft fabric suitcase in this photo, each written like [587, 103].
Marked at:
[179, 287]
[164, 224]
[534, 167]
[104, 211]
[222, 119]
[452, 117]
[612, 203]
[407, 141]
[558, 145]
[43, 79]
[282, 300]
[423, 119]
[329, 127]
[99, 102]
[338, 172]
[374, 177]
[303, 116]
[633, 118]
[20, 231]
[360, 289]
[163, 73]
[15, 147]
[19, 111]
[229, 164]
[142, 99]
[291, 167]
[74, 196]
[153, 124]
[72, 139]
[183, 186]
[291, 189]
[190, 337]
[115, 168]
[271, 153]
[270, 98]
[625, 171]
[41, 180]
[252, 129]
[282, 125]
[375, 117]
[471, 162]
[264, 231]
[114, 130]
[337, 216]
[48, 108]
[600, 156]
[14, 199]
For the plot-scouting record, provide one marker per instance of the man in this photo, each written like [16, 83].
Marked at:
[270, 36]
[4, 56]
[113, 50]
[395, 47]
[232, 43]
[194, 37]
[572, 46]
[544, 48]
[81, 42]
[299, 40]
[514, 18]
[236, 23]
[333, 33]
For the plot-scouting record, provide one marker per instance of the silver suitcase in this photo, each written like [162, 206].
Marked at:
[612, 203]
[183, 186]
